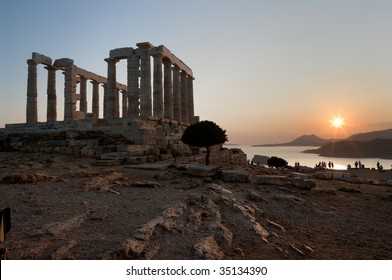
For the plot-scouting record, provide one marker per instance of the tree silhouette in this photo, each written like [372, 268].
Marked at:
[276, 162]
[204, 134]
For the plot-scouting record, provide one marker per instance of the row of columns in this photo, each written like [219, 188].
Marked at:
[164, 92]
[170, 97]
[70, 96]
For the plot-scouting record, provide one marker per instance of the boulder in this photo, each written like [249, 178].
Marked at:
[276, 180]
[236, 176]
[260, 160]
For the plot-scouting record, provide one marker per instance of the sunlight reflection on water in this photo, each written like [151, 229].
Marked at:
[295, 154]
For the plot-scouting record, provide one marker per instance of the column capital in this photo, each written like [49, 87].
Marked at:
[166, 60]
[111, 60]
[50, 68]
[31, 62]
[158, 55]
[94, 82]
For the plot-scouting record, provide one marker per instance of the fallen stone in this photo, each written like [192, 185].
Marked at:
[305, 184]
[276, 180]
[106, 162]
[146, 184]
[258, 159]
[348, 190]
[202, 170]
[236, 176]
[136, 160]
[114, 155]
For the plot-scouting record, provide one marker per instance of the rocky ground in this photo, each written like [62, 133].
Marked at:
[70, 208]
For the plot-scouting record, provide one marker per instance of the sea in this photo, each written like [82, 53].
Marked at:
[293, 154]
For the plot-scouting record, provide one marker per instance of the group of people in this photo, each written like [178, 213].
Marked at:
[379, 166]
[323, 165]
[358, 165]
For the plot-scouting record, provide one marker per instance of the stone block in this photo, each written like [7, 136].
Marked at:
[305, 184]
[276, 180]
[114, 155]
[136, 160]
[236, 176]
[108, 162]
[202, 170]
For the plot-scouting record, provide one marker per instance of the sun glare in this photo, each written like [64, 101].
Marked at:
[337, 122]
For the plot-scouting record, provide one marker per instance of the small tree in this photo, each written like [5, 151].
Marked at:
[276, 162]
[204, 134]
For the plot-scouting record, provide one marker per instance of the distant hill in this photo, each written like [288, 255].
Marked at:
[382, 134]
[304, 140]
[376, 148]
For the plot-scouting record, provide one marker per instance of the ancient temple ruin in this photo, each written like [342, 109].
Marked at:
[171, 96]
[157, 105]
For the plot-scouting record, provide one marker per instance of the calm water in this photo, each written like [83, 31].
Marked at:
[294, 154]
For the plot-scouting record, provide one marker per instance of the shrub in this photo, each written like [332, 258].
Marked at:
[277, 162]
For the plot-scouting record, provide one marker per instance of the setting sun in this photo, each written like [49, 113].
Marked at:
[337, 122]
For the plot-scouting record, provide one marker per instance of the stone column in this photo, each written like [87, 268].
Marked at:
[111, 88]
[116, 103]
[133, 85]
[191, 106]
[32, 104]
[51, 111]
[95, 106]
[168, 89]
[105, 103]
[70, 97]
[158, 92]
[83, 94]
[124, 104]
[176, 94]
[145, 81]
[184, 97]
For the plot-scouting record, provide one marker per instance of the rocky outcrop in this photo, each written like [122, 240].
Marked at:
[205, 224]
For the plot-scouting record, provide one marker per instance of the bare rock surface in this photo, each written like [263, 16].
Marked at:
[69, 208]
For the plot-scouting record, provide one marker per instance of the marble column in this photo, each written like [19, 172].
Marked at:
[70, 97]
[116, 103]
[184, 97]
[176, 94]
[83, 94]
[133, 85]
[158, 87]
[95, 107]
[51, 111]
[145, 80]
[111, 88]
[105, 103]
[124, 104]
[32, 104]
[168, 89]
[191, 106]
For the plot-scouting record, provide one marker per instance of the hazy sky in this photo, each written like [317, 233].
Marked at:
[265, 70]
